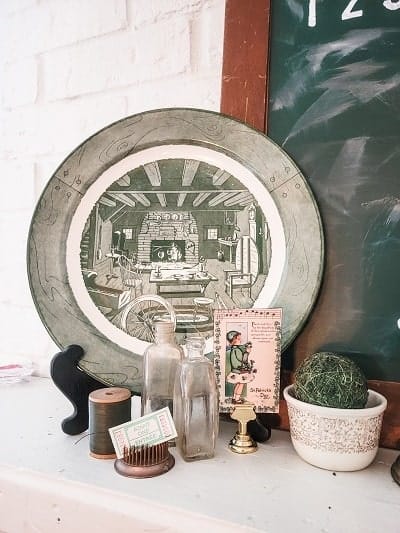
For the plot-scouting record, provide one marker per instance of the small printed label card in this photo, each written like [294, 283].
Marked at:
[149, 430]
[247, 357]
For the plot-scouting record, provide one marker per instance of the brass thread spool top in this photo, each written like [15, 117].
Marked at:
[145, 461]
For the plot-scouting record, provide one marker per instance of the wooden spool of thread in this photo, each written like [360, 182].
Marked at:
[107, 408]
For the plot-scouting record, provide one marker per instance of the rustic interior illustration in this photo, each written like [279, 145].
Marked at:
[180, 229]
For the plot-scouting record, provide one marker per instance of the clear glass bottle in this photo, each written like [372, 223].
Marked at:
[160, 362]
[196, 403]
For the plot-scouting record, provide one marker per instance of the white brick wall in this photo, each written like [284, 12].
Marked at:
[20, 82]
[69, 68]
[152, 11]
[50, 24]
[118, 60]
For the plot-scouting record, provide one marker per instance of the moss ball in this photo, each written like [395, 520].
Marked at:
[331, 380]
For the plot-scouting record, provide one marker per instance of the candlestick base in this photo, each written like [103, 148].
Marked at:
[242, 442]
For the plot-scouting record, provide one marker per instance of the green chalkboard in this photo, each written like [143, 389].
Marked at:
[334, 106]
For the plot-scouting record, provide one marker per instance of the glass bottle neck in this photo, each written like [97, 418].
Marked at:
[195, 348]
[164, 332]
[193, 354]
[164, 339]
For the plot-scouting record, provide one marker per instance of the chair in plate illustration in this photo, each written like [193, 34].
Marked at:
[131, 279]
[246, 267]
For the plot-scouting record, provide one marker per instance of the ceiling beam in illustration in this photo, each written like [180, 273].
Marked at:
[141, 198]
[181, 199]
[122, 197]
[153, 173]
[220, 198]
[162, 199]
[200, 198]
[115, 212]
[238, 198]
[246, 202]
[124, 181]
[189, 171]
[220, 177]
[107, 201]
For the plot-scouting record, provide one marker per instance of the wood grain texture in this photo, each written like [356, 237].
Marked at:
[245, 61]
[390, 435]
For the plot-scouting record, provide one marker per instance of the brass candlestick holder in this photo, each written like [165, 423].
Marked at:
[242, 442]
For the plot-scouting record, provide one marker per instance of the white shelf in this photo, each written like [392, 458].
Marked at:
[48, 482]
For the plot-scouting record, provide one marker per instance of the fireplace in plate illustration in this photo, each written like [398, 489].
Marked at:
[167, 251]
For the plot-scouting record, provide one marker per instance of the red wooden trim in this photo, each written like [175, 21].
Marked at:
[390, 434]
[244, 92]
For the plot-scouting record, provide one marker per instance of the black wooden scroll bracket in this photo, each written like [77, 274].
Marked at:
[395, 470]
[259, 429]
[76, 385]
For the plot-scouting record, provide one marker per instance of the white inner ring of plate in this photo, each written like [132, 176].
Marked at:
[198, 153]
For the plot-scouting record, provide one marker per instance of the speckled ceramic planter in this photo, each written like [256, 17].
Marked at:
[336, 439]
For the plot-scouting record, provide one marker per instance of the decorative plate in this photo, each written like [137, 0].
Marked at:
[109, 198]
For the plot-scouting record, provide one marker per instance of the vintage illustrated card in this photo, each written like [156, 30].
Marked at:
[247, 353]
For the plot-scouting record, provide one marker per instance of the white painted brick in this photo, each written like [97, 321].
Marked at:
[52, 24]
[22, 331]
[207, 38]
[16, 290]
[26, 335]
[185, 91]
[14, 229]
[125, 59]
[163, 49]
[58, 127]
[19, 84]
[89, 67]
[42, 359]
[17, 185]
[13, 6]
[149, 11]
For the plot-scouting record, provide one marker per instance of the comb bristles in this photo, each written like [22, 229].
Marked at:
[145, 455]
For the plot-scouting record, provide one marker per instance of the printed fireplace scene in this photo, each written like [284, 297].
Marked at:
[181, 229]
[168, 251]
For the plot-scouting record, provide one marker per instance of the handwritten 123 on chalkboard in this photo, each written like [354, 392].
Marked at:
[349, 10]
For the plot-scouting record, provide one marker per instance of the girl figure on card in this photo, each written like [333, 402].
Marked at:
[240, 369]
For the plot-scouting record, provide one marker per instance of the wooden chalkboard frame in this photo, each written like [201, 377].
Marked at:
[244, 95]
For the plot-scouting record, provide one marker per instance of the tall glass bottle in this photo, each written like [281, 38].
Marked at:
[196, 403]
[160, 362]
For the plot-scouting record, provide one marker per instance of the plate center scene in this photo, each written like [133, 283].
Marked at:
[179, 233]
